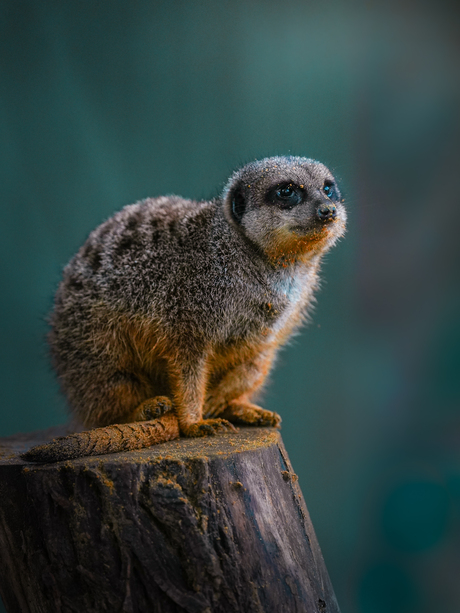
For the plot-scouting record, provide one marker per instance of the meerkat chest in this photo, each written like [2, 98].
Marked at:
[292, 295]
[292, 291]
[261, 316]
[289, 289]
[258, 313]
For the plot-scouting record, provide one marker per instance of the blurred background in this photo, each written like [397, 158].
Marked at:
[102, 104]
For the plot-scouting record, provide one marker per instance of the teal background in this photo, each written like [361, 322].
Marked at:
[105, 103]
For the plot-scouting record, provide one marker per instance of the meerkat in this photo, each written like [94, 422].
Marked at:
[176, 307]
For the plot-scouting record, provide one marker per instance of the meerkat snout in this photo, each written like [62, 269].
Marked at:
[326, 212]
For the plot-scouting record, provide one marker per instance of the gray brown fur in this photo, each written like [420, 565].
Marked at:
[191, 300]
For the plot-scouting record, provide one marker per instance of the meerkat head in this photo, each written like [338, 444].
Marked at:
[290, 207]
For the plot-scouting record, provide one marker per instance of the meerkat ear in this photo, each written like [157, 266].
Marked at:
[238, 203]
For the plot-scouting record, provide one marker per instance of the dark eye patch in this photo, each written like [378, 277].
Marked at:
[331, 190]
[286, 195]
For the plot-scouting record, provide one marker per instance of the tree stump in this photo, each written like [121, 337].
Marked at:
[211, 525]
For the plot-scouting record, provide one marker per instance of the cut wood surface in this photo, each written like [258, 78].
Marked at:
[205, 525]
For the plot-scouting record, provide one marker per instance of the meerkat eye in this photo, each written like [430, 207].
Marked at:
[287, 195]
[284, 193]
[331, 190]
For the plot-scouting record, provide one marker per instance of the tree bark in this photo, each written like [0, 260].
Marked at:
[212, 525]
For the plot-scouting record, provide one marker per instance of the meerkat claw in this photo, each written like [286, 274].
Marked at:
[208, 427]
[251, 415]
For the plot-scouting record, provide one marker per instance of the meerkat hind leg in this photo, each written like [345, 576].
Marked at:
[152, 408]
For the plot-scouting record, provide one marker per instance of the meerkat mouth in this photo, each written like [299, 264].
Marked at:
[297, 241]
[312, 230]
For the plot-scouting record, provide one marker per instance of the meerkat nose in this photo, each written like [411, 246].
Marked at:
[326, 212]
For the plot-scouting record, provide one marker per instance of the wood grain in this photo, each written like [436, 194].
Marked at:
[196, 525]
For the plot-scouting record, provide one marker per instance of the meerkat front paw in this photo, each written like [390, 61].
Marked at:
[250, 414]
[152, 408]
[207, 427]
